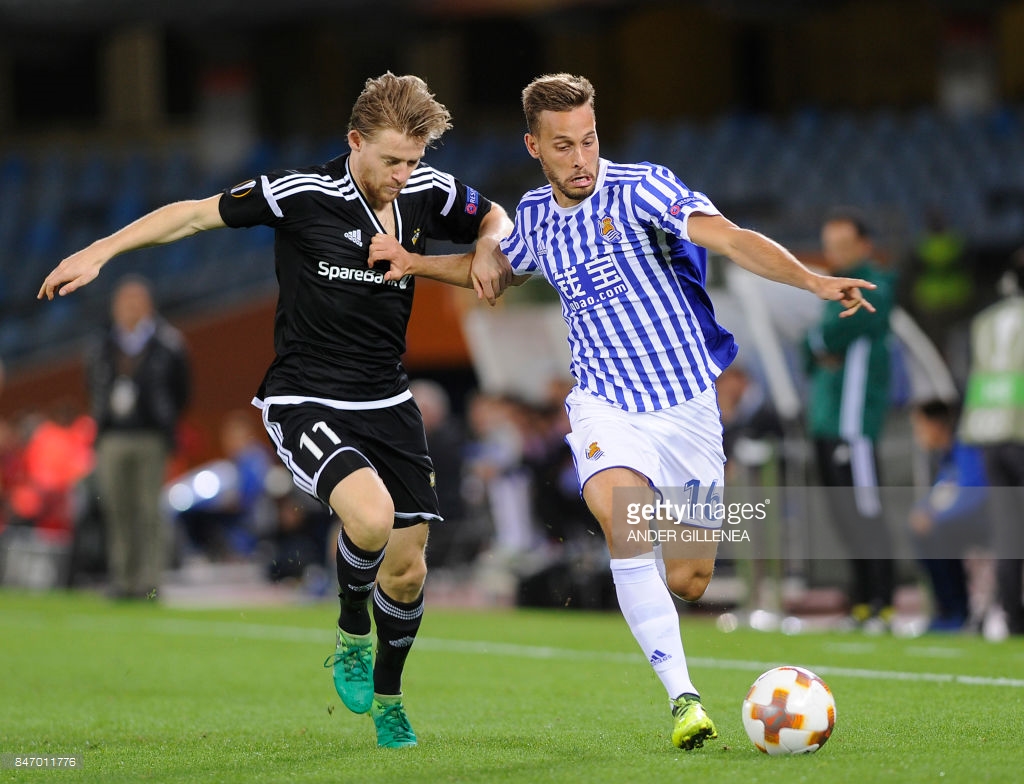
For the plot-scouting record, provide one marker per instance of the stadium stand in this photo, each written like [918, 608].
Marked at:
[776, 174]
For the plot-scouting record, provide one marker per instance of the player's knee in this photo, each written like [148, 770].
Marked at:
[689, 582]
[373, 520]
[365, 508]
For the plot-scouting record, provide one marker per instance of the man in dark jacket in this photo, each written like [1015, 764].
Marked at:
[139, 385]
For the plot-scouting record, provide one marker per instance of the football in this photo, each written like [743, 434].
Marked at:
[789, 710]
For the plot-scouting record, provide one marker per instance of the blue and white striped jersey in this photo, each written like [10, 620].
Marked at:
[642, 329]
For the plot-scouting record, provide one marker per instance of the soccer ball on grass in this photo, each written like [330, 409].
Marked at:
[789, 710]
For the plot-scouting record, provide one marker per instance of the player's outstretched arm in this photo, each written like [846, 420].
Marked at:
[166, 224]
[765, 257]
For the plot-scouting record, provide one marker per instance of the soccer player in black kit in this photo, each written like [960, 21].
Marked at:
[335, 400]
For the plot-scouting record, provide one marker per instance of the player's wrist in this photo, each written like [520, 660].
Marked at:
[104, 249]
[407, 263]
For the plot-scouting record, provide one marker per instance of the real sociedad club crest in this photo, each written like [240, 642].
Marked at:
[608, 230]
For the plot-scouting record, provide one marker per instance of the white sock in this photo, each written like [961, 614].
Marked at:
[649, 611]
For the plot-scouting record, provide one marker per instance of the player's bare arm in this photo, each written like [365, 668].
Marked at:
[167, 224]
[765, 257]
[450, 268]
[485, 268]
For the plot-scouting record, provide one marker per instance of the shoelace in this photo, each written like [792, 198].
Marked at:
[356, 668]
[397, 722]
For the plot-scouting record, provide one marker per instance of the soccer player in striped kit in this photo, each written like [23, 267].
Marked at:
[646, 350]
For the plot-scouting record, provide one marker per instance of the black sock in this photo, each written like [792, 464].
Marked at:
[357, 572]
[397, 624]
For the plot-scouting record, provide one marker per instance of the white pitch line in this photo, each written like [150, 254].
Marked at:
[538, 652]
[254, 631]
[934, 651]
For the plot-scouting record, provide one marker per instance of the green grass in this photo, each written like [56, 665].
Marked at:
[147, 693]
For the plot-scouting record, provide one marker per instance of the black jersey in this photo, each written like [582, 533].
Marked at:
[339, 329]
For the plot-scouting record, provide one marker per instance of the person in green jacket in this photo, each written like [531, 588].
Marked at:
[848, 368]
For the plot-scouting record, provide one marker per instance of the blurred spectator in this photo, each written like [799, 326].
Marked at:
[942, 288]
[748, 420]
[300, 541]
[450, 543]
[950, 519]
[569, 566]
[41, 462]
[848, 364]
[217, 502]
[495, 459]
[559, 508]
[993, 419]
[191, 447]
[139, 382]
[58, 455]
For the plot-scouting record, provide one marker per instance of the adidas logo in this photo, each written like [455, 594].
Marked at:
[401, 642]
[541, 249]
[355, 236]
[658, 657]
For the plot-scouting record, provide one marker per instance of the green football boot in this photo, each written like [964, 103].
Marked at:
[393, 728]
[692, 724]
[352, 663]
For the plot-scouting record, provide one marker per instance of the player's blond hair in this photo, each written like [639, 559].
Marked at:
[559, 92]
[399, 103]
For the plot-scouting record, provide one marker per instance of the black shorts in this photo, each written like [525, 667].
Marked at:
[321, 445]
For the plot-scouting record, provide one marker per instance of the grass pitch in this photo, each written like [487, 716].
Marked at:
[147, 693]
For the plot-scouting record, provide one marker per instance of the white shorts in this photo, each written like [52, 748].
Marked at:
[678, 449]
